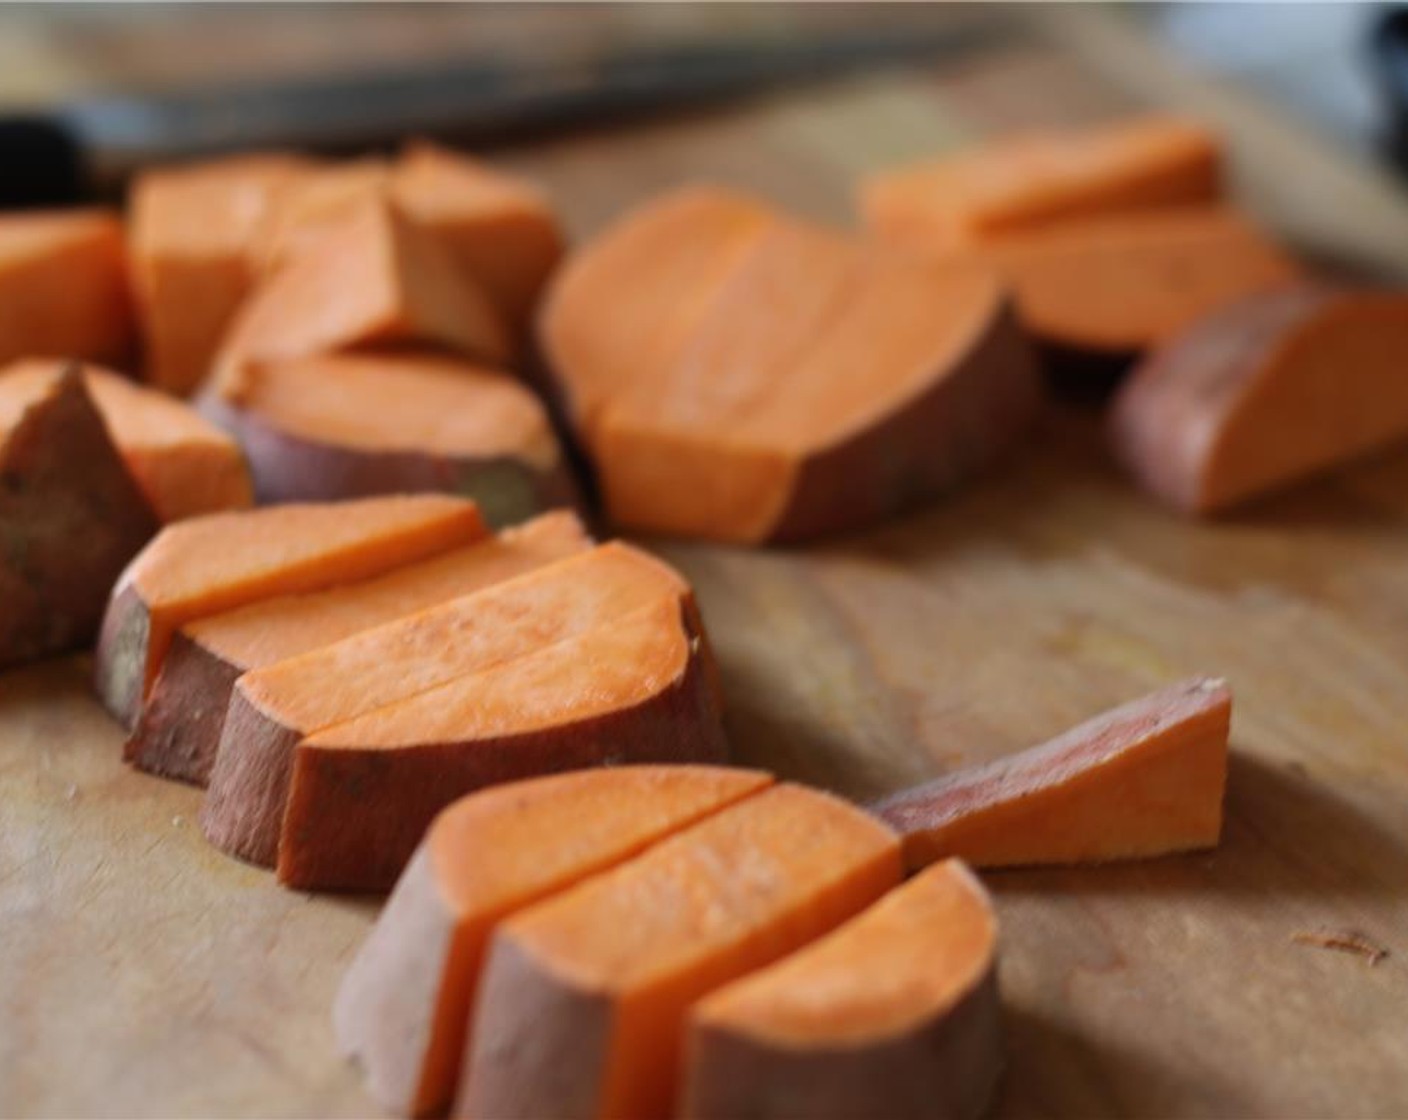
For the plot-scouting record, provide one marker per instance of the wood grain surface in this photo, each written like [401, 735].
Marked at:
[141, 973]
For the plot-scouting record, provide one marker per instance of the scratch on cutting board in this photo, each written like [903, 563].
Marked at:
[1343, 941]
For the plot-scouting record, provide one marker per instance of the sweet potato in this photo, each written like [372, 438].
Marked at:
[499, 227]
[316, 203]
[179, 730]
[1037, 180]
[740, 415]
[636, 689]
[1141, 780]
[1117, 286]
[274, 708]
[63, 287]
[583, 999]
[349, 425]
[71, 517]
[627, 305]
[372, 278]
[184, 465]
[894, 1014]
[1265, 393]
[193, 232]
[216, 563]
[500, 230]
[403, 1008]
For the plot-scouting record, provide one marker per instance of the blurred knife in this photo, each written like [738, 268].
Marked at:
[89, 146]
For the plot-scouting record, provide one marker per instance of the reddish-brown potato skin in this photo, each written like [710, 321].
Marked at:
[249, 781]
[945, 1069]
[178, 731]
[339, 835]
[1162, 419]
[973, 415]
[71, 517]
[535, 1013]
[293, 468]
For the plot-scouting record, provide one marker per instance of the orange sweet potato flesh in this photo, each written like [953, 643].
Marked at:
[63, 287]
[1141, 780]
[893, 1014]
[349, 425]
[584, 996]
[625, 307]
[798, 384]
[314, 204]
[210, 564]
[179, 730]
[274, 708]
[193, 231]
[71, 517]
[499, 227]
[632, 690]
[1118, 285]
[184, 464]
[1266, 393]
[403, 1008]
[1038, 180]
[372, 277]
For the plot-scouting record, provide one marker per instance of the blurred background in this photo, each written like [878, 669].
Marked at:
[88, 91]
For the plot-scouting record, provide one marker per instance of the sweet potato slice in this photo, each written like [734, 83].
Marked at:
[216, 563]
[499, 227]
[71, 517]
[349, 425]
[372, 278]
[184, 465]
[63, 287]
[179, 730]
[583, 999]
[1038, 180]
[635, 689]
[893, 1014]
[1266, 393]
[1141, 780]
[626, 306]
[316, 203]
[1110, 288]
[806, 385]
[403, 1008]
[273, 708]
[193, 231]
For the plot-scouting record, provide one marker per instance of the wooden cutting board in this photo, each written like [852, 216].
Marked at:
[141, 973]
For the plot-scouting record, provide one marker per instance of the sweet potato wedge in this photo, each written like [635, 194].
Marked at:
[317, 203]
[1114, 287]
[499, 227]
[71, 517]
[583, 999]
[184, 464]
[893, 1014]
[207, 565]
[1265, 393]
[403, 1008]
[273, 709]
[63, 287]
[372, 278]
[350, 425]
[1141, 780]
[795, 384]
[674, 256]
[179, 729]
[1037, 180]
[634, 689]
[193, 231]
